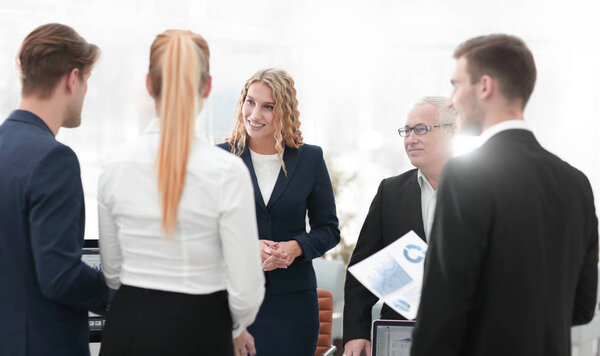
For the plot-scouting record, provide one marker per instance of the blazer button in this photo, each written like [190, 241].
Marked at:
[265, 216]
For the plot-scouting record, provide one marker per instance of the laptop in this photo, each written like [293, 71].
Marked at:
[391, 337]
[91, 256]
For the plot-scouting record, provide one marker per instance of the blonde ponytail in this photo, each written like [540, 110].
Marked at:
[179, 72]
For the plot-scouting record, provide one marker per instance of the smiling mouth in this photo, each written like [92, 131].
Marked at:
[255, 125]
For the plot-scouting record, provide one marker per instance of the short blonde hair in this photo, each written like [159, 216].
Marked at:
[287, 116]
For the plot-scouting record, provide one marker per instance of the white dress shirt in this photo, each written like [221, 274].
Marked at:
[266, 168]
[428, 202]
[214, 246]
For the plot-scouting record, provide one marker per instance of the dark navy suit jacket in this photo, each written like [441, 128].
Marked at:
[307, 187]
[45, 289]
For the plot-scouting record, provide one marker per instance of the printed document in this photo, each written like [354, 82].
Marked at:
[395, 274]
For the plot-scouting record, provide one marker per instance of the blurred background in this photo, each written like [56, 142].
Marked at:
[358, 66]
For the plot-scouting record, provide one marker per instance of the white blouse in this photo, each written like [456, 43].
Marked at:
[214, 246]
[266, 168]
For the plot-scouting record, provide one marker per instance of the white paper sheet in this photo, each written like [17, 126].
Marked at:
[395, 274]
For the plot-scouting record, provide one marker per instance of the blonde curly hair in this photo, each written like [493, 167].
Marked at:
[287, 116]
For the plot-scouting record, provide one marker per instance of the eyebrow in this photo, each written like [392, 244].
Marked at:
[267, 103]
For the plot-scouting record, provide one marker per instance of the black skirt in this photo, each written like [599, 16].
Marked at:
[151, 322]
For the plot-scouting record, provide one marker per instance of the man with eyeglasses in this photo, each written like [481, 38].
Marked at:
[513, 258]
[402, 203]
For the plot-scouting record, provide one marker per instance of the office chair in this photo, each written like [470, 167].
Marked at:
[324, 346]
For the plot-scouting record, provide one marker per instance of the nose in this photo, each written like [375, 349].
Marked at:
[255, 113]
[450, 102]
[412, 136]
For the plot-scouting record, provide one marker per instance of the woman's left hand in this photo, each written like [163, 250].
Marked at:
[290, 250]
[244, 344]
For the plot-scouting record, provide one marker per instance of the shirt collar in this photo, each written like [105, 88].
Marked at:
[153, 127]
[503, 126]
[423, 182]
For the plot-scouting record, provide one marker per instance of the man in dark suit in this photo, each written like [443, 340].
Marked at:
[402, 203]
[513, 258]
[45, 288]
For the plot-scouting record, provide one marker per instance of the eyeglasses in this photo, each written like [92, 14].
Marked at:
[419, 129]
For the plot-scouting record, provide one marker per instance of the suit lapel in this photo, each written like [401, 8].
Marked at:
[290, 158]
[257, 194]
[414, 203]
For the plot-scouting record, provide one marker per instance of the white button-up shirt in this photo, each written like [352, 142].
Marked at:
[215, 242]
[428, 202]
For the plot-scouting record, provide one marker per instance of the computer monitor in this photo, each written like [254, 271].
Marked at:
[91, 256]
[391, 337]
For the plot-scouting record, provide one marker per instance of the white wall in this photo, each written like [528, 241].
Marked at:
[358, 65]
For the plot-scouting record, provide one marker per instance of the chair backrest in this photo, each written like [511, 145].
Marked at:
[331, 276]
[325, 320]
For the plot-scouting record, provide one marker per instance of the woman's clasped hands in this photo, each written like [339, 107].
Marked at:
[276, 255]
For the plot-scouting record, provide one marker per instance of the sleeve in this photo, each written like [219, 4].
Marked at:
[110, 249]
[57, 218]
[456, 252]
[324, 233]
[239, 237]
[358, 300]
[585, 294]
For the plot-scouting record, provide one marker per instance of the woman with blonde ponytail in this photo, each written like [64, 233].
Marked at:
[290, 180]
[177, 224]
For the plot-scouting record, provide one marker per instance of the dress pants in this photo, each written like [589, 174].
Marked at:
[150, 322]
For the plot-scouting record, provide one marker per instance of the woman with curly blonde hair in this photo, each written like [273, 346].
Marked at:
[290, 180]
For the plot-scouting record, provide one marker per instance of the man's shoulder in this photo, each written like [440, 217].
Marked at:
[401, 179]
[28, 144]
[480, 162]
[570, 173]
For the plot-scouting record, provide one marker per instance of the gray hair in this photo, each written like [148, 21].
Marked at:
[445, 115]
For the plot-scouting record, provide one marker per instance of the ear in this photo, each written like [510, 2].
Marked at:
[72, 79]
[149, 85]
[487, 86]
[207, 88]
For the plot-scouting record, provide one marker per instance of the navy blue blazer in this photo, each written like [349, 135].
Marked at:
[307, 187]
[45, 288]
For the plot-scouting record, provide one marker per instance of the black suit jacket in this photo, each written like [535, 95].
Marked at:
[45, 288]
[395, 210]
[513, 258]
[306, 189]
